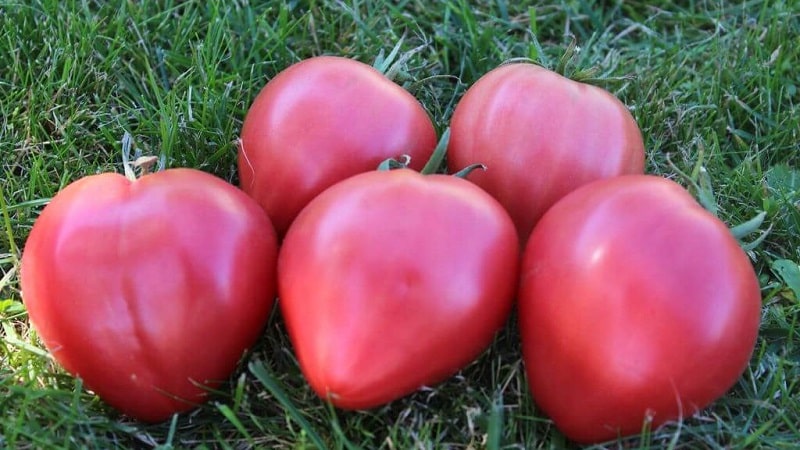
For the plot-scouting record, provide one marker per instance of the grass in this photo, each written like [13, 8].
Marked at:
[713, 84]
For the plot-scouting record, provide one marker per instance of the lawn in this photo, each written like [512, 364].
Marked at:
[712, 84]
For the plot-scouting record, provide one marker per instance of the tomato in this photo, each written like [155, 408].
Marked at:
[320, 121]
[389, 281]
[541, 135]
[635, 304]
[150, 290]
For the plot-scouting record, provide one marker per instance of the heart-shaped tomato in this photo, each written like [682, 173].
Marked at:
[320, 121]
[389, 281]
[150, 290]
[636, 305]
[540, 135]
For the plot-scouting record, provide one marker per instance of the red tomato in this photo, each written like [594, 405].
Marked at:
[389, 281]
[634, 303]
[320, 121]
[541, 136]
[150, 290]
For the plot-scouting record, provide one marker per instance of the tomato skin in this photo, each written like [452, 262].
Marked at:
[145, 288]
[389, 281]
[320, 121]
[634, 301]
[540, 135]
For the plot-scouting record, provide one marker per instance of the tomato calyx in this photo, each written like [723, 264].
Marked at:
[463, 173]
[401, 162]
[144, 163]
[394, 63]
[569, 64]
[699, 181]
[434, 164]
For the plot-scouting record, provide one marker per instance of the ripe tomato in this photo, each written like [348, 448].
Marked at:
[320, 121]
[150, 290]
[389, 281]
[634, 303]
[540, 136]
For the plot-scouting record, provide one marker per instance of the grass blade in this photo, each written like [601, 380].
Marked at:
[265, 378]
[231, 416]
[494, 432]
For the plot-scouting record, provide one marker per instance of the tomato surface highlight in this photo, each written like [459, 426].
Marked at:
[635, 304]
[320, 121]
[540, 135]
[150, 290]
[390, 281]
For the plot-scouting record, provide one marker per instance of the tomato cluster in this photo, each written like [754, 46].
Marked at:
[635, 304]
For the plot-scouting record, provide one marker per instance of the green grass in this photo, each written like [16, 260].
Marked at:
[711, 83]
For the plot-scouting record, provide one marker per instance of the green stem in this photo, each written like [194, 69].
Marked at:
[463, 173]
